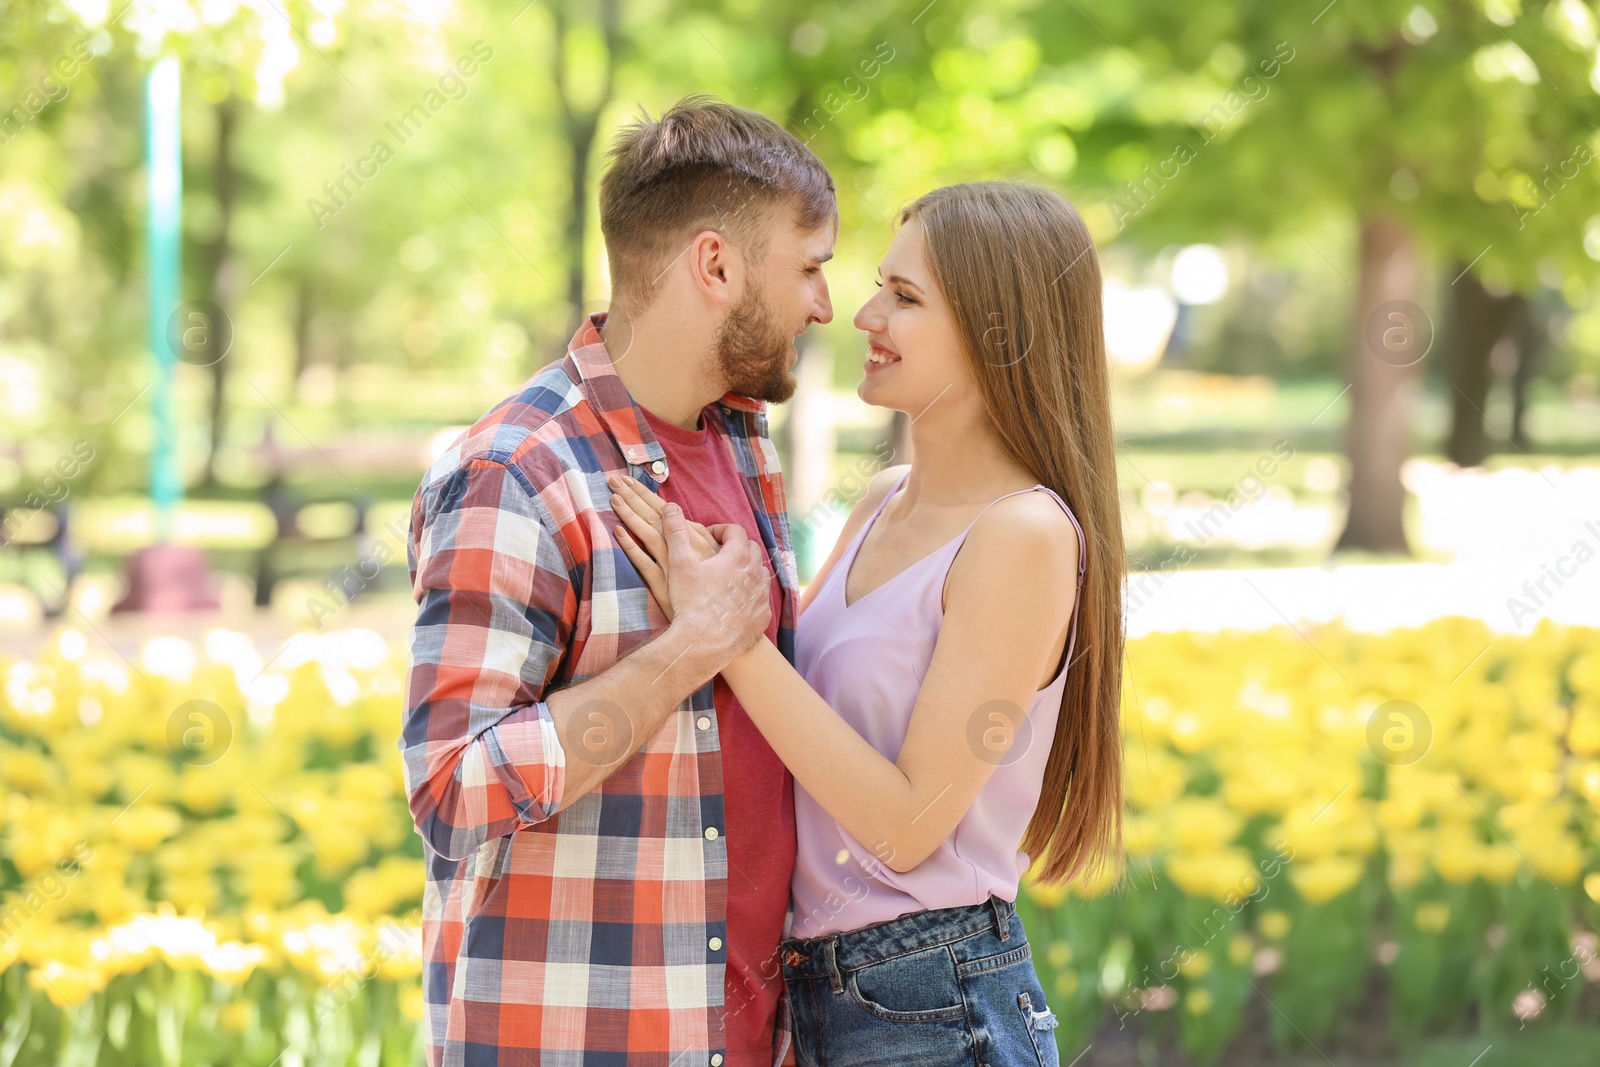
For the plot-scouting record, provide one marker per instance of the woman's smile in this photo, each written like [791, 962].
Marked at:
[879, 357]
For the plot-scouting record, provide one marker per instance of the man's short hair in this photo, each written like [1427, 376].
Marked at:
[703, 165]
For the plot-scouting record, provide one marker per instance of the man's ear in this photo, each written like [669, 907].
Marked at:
[714, 263]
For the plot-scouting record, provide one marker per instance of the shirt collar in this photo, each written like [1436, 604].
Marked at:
[591, 365]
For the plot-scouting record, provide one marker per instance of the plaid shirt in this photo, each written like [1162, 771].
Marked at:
[593, 935]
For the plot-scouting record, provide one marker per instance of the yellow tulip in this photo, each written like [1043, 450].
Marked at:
[1498, 863]
[67, 987]
[1225, 875]
[397, 950]
[1584, 675]
[231, 962]
[1583, 777]
[1198, 824]
[1583, 738]
[236, 1016]
[1458, 853]
[1320, 880]
[411, 1002]
[1154, 778]
[1096, 882]
[1046, 896]
[1405, 871]
[193, 892]
[1557, 857]
[144, 826]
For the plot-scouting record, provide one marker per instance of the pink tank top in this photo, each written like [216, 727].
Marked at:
[867, 660]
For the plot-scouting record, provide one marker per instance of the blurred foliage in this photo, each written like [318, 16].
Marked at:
[445, 257]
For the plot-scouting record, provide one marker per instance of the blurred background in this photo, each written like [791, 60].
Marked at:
[260, 261]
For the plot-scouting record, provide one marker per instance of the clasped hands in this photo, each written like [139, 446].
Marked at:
[716, 571]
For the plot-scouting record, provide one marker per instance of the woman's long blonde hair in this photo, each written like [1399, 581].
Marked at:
[1018, 267]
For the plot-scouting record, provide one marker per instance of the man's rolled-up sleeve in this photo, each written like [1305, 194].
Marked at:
[495, 611]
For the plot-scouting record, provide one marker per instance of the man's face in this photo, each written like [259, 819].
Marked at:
[785, 293]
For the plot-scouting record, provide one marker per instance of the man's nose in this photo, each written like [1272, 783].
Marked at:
[824, 312]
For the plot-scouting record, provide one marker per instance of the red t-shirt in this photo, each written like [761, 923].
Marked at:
[758, 799]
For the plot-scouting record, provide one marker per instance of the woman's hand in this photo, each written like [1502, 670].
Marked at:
[643, 537]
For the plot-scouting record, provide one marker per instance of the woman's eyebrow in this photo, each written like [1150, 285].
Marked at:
[905, 281]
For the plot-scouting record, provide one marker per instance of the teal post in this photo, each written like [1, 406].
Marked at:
[164, 173]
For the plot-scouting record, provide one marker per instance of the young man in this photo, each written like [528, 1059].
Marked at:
[609, 839]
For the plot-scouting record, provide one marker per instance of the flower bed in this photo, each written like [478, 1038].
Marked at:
[1309, 815]
[207, 858]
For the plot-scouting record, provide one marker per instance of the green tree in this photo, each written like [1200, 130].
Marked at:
[1391, 138]
[1384, 140]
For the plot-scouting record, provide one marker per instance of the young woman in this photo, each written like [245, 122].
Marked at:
[953, 711]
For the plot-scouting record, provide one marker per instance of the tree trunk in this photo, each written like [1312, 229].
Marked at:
[581, 124]
[578, 217]
[223, 279]
[1478, 319]
[1528, 335]
[1389, 343]
[302, 328]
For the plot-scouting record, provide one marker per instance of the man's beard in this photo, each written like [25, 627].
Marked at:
[753, 352]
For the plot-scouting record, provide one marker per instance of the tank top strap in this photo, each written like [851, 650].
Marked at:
[1083, 561]
[1083, 546]
[1083, 550]
[893, 489]
[1077, 600]
[992, 503]
[1083, 558]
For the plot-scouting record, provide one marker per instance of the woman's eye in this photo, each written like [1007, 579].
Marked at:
[898, 294]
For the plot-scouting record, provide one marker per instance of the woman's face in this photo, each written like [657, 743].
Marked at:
[913, 352]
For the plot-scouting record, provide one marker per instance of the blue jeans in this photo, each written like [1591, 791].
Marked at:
[954, 986]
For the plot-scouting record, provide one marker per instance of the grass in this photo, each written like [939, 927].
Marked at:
[1555, 1046]
[1552, 1045]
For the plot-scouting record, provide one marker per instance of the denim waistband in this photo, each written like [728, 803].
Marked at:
[832, 953]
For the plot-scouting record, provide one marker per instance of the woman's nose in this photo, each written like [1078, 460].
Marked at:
[868, 320]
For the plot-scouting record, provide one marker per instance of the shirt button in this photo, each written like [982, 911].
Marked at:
[658, 467]
[716, 1059]
[714, 944]
[711, 833]
[703, 722]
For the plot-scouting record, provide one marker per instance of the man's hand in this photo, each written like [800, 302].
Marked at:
[722, 599]
[722, 611]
